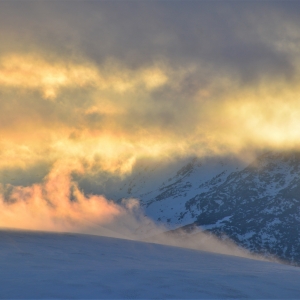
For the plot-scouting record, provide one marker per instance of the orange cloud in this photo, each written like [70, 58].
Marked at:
[55, 205]
[36, 73]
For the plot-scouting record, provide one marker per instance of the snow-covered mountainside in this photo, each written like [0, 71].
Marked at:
[164, 192]
[71, 266]
[256, 205]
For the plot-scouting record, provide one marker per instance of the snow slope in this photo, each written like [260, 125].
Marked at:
[165, 189]
[47, 265]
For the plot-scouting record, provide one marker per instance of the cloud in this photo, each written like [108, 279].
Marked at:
[89, 88]
[109, 116]
[105, 84]
[32, 72]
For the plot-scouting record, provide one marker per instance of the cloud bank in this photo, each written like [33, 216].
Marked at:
[94, 86]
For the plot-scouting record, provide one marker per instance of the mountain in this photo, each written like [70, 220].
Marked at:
[257, 205]
[165, 190]
[37, 265]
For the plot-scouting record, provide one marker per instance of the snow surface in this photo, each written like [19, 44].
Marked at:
[48, 265]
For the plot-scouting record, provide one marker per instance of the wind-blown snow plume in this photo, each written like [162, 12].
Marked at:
[58, 205]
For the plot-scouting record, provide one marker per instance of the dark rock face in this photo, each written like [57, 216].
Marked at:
[258, 207]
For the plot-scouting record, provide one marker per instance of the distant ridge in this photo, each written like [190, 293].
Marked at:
[256, 205]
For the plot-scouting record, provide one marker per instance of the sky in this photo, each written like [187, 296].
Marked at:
[94, 86]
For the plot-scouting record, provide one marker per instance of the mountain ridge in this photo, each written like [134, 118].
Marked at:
[257, 205]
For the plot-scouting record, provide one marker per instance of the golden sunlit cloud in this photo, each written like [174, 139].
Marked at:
[108, 116]
[35, 73]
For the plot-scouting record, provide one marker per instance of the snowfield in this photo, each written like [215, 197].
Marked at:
[49, 265]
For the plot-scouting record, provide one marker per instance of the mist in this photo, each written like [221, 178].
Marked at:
[58, 205]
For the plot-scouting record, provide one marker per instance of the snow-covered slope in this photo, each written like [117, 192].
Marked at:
[44, 266]
[163, 192]
[256, 205]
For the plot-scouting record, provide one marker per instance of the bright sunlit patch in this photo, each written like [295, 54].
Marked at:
[108, 116]
[36, 73]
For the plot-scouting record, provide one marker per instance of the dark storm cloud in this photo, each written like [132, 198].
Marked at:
[226, 35]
